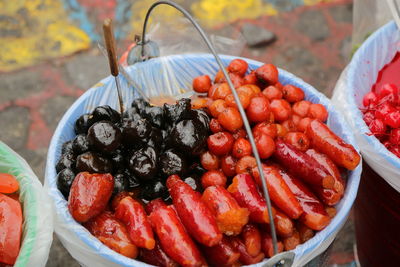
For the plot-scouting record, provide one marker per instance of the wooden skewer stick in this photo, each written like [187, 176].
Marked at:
[112, 57]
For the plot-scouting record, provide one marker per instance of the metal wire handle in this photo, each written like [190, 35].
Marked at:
[237, 100]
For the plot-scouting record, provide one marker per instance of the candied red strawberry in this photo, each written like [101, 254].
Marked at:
[89, 195]
[112, 233]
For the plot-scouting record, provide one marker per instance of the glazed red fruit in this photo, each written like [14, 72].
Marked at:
[384, 109]
[157, 257]
[303, 124]
[301, 108]
[298, 140]
[220, 143]
[267, 73]
[281, 109]
[228, 165]
[265, 145]
[393, 119]
[200, 102]
[258, 109]
[296, 119]
[266, 128]
[89, 195]
[112, 233]
[217, 107]
[209, 161]
[292, 93]
[368, 117]
[389, 92]
[246, 164]
[370, 99]
[318, 111]
[219, 91]
[238, 66]
[377, 127]
[202, 84]
[244, 100]
[280, 130]
[236, 79]
[133, 215]
[239, 133]
[230, 119]
[250, 78]
[215, 126]
[271, 92]
[241, 148]
[214, 177]
[394, 136]
[248, 89]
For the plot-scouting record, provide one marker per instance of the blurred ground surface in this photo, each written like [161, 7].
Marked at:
[48, 58]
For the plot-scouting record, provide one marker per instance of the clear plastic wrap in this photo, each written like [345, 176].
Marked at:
[37, 234]
[355, 81]
[172, 75]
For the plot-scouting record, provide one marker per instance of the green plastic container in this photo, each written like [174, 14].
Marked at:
[37, 234]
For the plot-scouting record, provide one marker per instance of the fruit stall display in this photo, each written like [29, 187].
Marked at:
[178, 185]
[10, 219]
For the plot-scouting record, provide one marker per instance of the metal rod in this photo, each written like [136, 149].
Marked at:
[237, 100]
[112, 58]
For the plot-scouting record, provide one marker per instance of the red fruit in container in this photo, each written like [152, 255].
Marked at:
[265, 145]
[246, 164]
[239, 133]
[157, 257]
[258, 109]
[267, 245]
[281, 109]
[202, 84]
[394, 136]
[112, 233]
[298, 140]
[269, 129]
[383, 110]
[389, 92]
[174, 239]
[296, 119]
[246, 193]
[318, 111]
[219, 91]
[393, 119]
[303, 124]
[194, 214]
[228, 165]
[200, 102]
[301, 108]
[377, 127]
[11, 228]
[230, 119]
[292, 93]
[370, 99]
[8, 183]
[395, 150]
[243, 97]
[215, 126]
[238, 66]
[284, 225]
[133, 215]
[292, 241]
[271, 92]
[230, 216]
[89, 195]
[268, 74]
[251, 237]
[245, 257]
[280, 130]
[220, 143]
[289, 125]
[214, 177]
[236, 79]
[241, 148]
[368, 117]
[217, 107]
[250, 78]
[222, 254]
[219, 77]
[209, 161]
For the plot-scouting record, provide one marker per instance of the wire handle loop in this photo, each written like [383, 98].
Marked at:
[237, 100]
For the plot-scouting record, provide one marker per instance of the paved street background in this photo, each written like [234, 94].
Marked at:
[49, 57]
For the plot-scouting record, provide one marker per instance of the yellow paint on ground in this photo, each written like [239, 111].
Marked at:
[216, 12]
[313, 2]
[35, 30]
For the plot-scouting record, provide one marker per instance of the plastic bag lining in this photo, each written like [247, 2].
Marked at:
[173, 75]
[355, 81]
[37, 234]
